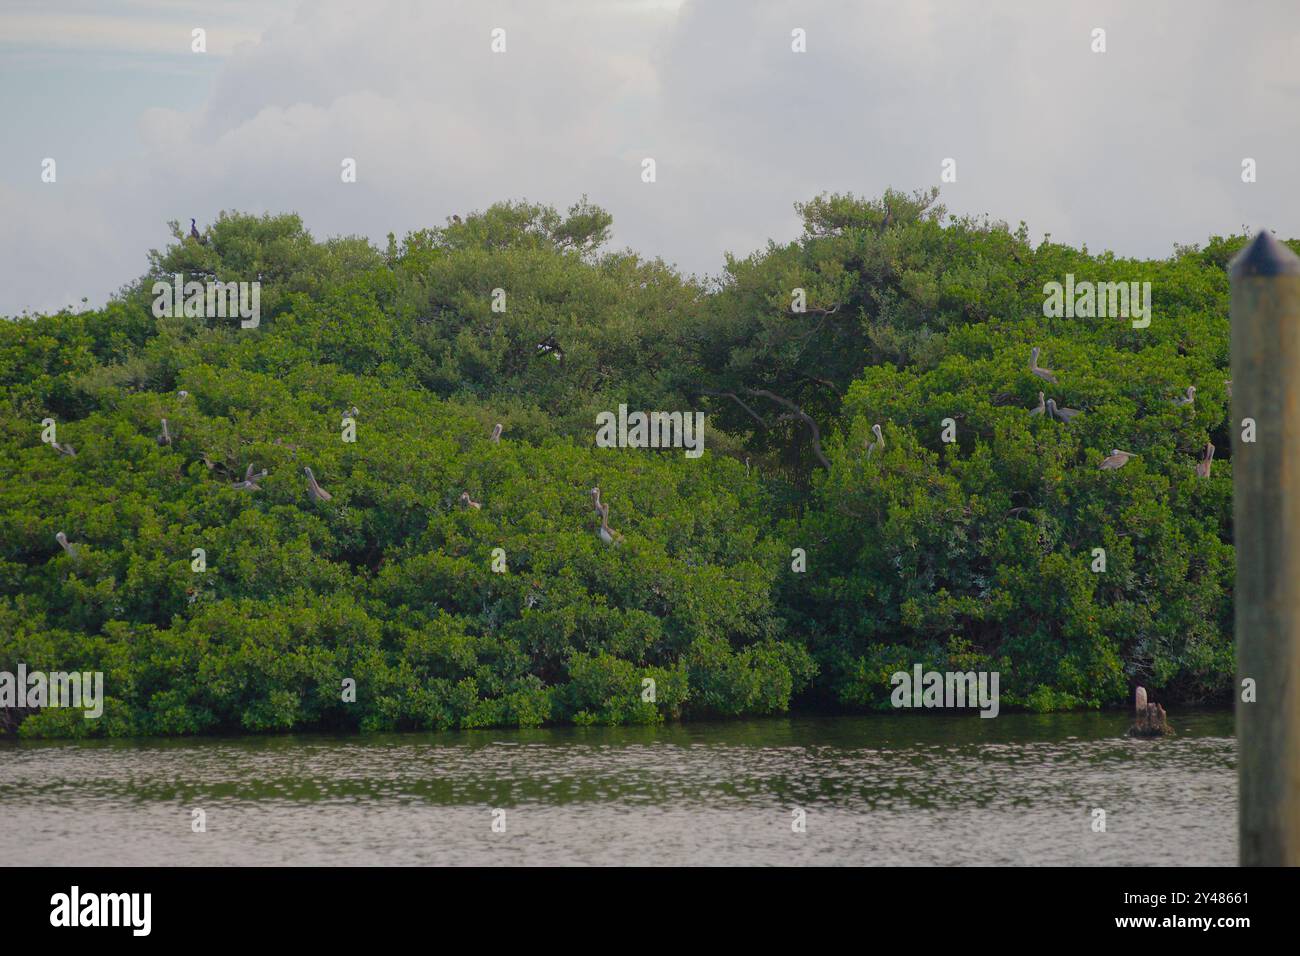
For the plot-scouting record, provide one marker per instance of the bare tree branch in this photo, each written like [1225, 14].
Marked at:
[795, 413]
[821, 381]
[737, 399]
[831, 311]
[802, 416]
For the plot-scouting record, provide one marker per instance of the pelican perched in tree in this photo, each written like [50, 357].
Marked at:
[316, 491]
[194, 234]
[1056, 411]
[250, 482]
[164, 437]
[1041, 407]
[1116, 459]
[63, 448]
[1045, 374]
[878, 443]
[65, 544]
[595, 500]
[1187, 399]
[1207, 460]
[469, 502]
[496, 433]
[455, 219]
[605, 532]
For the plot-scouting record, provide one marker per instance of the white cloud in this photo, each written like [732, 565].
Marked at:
[1133, 149]
[136, 28]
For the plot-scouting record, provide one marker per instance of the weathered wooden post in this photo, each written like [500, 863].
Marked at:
[1265, 426]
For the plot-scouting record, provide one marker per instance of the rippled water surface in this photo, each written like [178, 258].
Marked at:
[877, 790]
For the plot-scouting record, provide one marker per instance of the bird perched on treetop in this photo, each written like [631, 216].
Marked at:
[878, 443]
[316, 491]
[250, 480]
[1203, 466]
[1045, 374]
[1116, 459]
[605, 532]
[1056, 411]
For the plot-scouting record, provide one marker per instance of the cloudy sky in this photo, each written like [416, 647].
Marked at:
[1133, 149]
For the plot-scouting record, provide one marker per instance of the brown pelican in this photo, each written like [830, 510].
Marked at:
[496, 433]
[65, 545]
[1150, 719]
[64, 449]
[606, 533]
[1044, 373]
[469, 502]
[1041, 407]
[1187, 399]
[194, 234]
[250, 480]
[164, 437]
[595, 498]
[316, 491]
[1116, 459]
[1203, 466]
[878, 443]
[1064, 414]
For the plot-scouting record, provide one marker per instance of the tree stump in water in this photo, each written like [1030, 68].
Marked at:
[1149, 719]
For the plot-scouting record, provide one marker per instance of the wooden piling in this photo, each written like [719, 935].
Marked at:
[1266, 530]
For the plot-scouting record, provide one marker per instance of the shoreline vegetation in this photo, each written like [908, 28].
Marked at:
[882, 485]
[1119, 717]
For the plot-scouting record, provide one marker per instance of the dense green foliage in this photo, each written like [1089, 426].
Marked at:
[970, 554]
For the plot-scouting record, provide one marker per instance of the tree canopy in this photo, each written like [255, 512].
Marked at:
[977, 552]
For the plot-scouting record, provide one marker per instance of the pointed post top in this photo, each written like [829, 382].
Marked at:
[1264, 256]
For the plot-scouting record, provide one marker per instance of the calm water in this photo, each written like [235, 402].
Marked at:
[877, 790]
